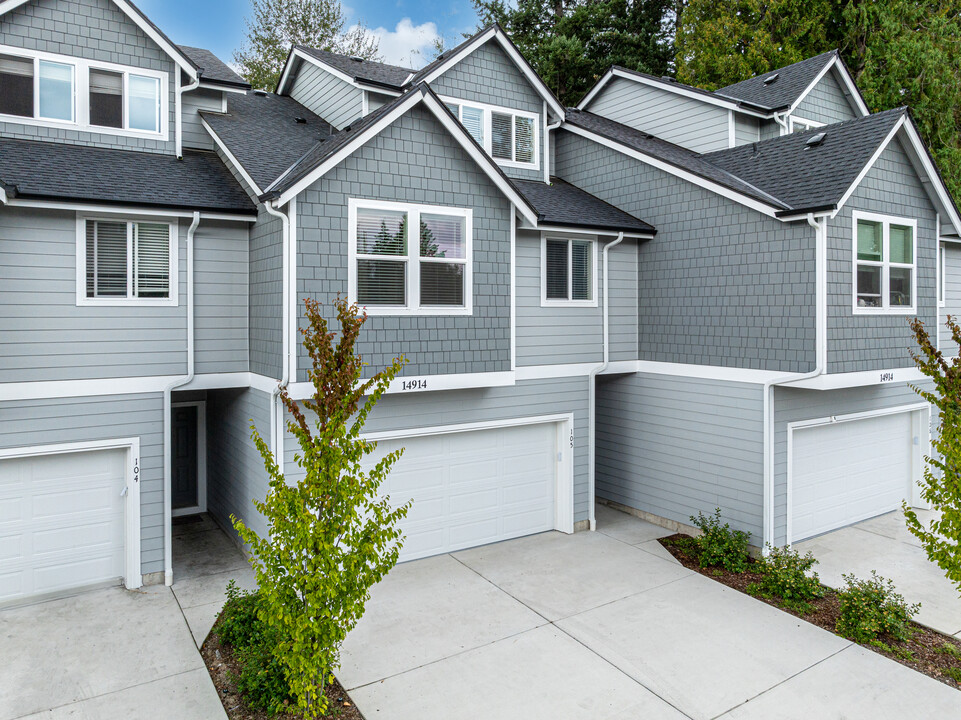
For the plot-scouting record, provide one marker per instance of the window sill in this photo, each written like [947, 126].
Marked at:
[161, 136]
[884, 311]
[127, 302]
[381, 311]
[520, 165]
[569, 303]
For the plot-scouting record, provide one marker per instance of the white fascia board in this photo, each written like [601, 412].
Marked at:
[824, 71]
[546, 372]
[50, 389]
[456, 130]
[220, 88]
[711, 372]
[423, 383]
[933, 178]
[870, 164]
[3, 196]
[598, 86]
[230, 156]
[737, 197]
[837, 381]
[175, 54]
[587, 231]
[126, 210]
[299, 54]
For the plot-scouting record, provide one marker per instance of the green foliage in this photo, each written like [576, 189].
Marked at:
[898, 652]
[572, 44]
[950, 649]
[719, 544]
[953, 673]
[871, 608]
[274, 26]
[330, 535]
[785, 575]
[239, 626]
[901, 52]
[262, 681]
[941, 485]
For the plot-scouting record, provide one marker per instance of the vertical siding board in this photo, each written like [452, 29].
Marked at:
[221, 292]
[98, 31]
[335, 100]
[952, 297]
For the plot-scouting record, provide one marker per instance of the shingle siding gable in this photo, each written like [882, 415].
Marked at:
[826, 102]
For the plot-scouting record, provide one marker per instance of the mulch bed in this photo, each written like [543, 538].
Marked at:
[924, 652]
[224, 667]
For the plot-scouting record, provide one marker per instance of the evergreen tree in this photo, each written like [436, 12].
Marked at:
[274, 26]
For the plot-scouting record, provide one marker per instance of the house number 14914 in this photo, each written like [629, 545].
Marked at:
[413, 384]
[887, 376]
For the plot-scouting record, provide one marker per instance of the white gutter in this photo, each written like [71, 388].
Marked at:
[592, 389]
[276, 413]
[820, 365]
[179, 118]
[781, 119]
[168, 483]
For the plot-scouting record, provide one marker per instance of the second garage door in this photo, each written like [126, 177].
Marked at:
[475, 487]
[849, 471]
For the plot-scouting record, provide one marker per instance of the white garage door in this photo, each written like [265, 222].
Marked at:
[850, 471]
[472, 488]
[61, 522]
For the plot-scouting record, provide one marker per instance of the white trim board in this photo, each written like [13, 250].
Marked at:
[568, 302]
[850, 89]
[425, 383]
[884, 264]
[51, 389]
[564, 483]
[921, 426]
[133, 576]
[836, 381]
[125, 210]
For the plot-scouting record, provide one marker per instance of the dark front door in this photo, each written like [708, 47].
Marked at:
[184, 460]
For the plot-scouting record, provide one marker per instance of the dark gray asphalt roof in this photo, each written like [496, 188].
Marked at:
[671, 82]
[88, 174]
[260, 130]
[792, 80]
[561, 203]
[807, 177]
[376, 72]
[670, 153]
[212, 68]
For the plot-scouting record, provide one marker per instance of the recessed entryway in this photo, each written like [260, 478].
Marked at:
[845, 469]
[188, 458]
[69, 519]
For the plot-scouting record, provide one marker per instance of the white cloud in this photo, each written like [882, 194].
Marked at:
[408, 45]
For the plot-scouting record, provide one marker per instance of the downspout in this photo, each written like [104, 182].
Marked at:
[276, 415]
[820, 365]
[781, 119]
[178, 121]
[168, 480]
[592, 386]
[547, 144]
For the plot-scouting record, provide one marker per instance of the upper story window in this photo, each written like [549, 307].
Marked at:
[885, 264]
[393, 271]
[123, 262]
[568, 272]
[508, 136]
[802, 125]
[58, 91]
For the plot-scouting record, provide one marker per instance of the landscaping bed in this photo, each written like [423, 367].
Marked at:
[224, 668]
[927, 651]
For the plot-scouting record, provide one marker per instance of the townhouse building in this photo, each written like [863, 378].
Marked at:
[666, 298]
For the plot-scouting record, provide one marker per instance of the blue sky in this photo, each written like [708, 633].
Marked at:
[401, 25]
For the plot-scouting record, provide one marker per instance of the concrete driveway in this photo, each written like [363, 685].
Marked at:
[605, 625]
[884, 544]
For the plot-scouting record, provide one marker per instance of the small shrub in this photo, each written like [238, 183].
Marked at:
[871, 608]
[954, 674]
[898, 652]
[262, 681]
[950, 649]
[718, 545]
[785, 575]
[239, 625]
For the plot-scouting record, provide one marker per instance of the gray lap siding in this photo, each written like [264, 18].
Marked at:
[30, 423]
[414, 160]
[720, 284]
[877, 342]
[95, 30]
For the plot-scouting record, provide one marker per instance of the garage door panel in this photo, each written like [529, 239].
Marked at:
[849, 471]
[62, 521]
[473, 487]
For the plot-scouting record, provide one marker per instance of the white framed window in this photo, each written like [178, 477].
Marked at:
[942, 274]
[38, 88]
[803, 125]
[126, 262]
[885, 264]
[568, 271]
[393, 271]
[509, 136]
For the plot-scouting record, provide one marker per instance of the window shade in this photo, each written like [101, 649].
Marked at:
[902, 244]
[106, 98]
[381, 232]
[151, 260]
[106, 259]
[869, 240]
[442, 236]
[473, 120]
[381, 282]
[441, 284]
[501, 140]
[16, 86]
[556, 270]
[143, 111]
[56, 90]
[581, 271]
[523, 139]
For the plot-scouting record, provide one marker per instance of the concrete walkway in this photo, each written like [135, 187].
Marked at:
[884, 544]
[605, 625]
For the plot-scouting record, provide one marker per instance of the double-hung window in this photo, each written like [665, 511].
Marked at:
[126, 262]
[60, 91]
[509, 136]
[396, 269]
[885, 264]
[568, 271]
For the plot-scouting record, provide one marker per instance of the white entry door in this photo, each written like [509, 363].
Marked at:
[61, 522]
[849, 471]
[475, 487]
